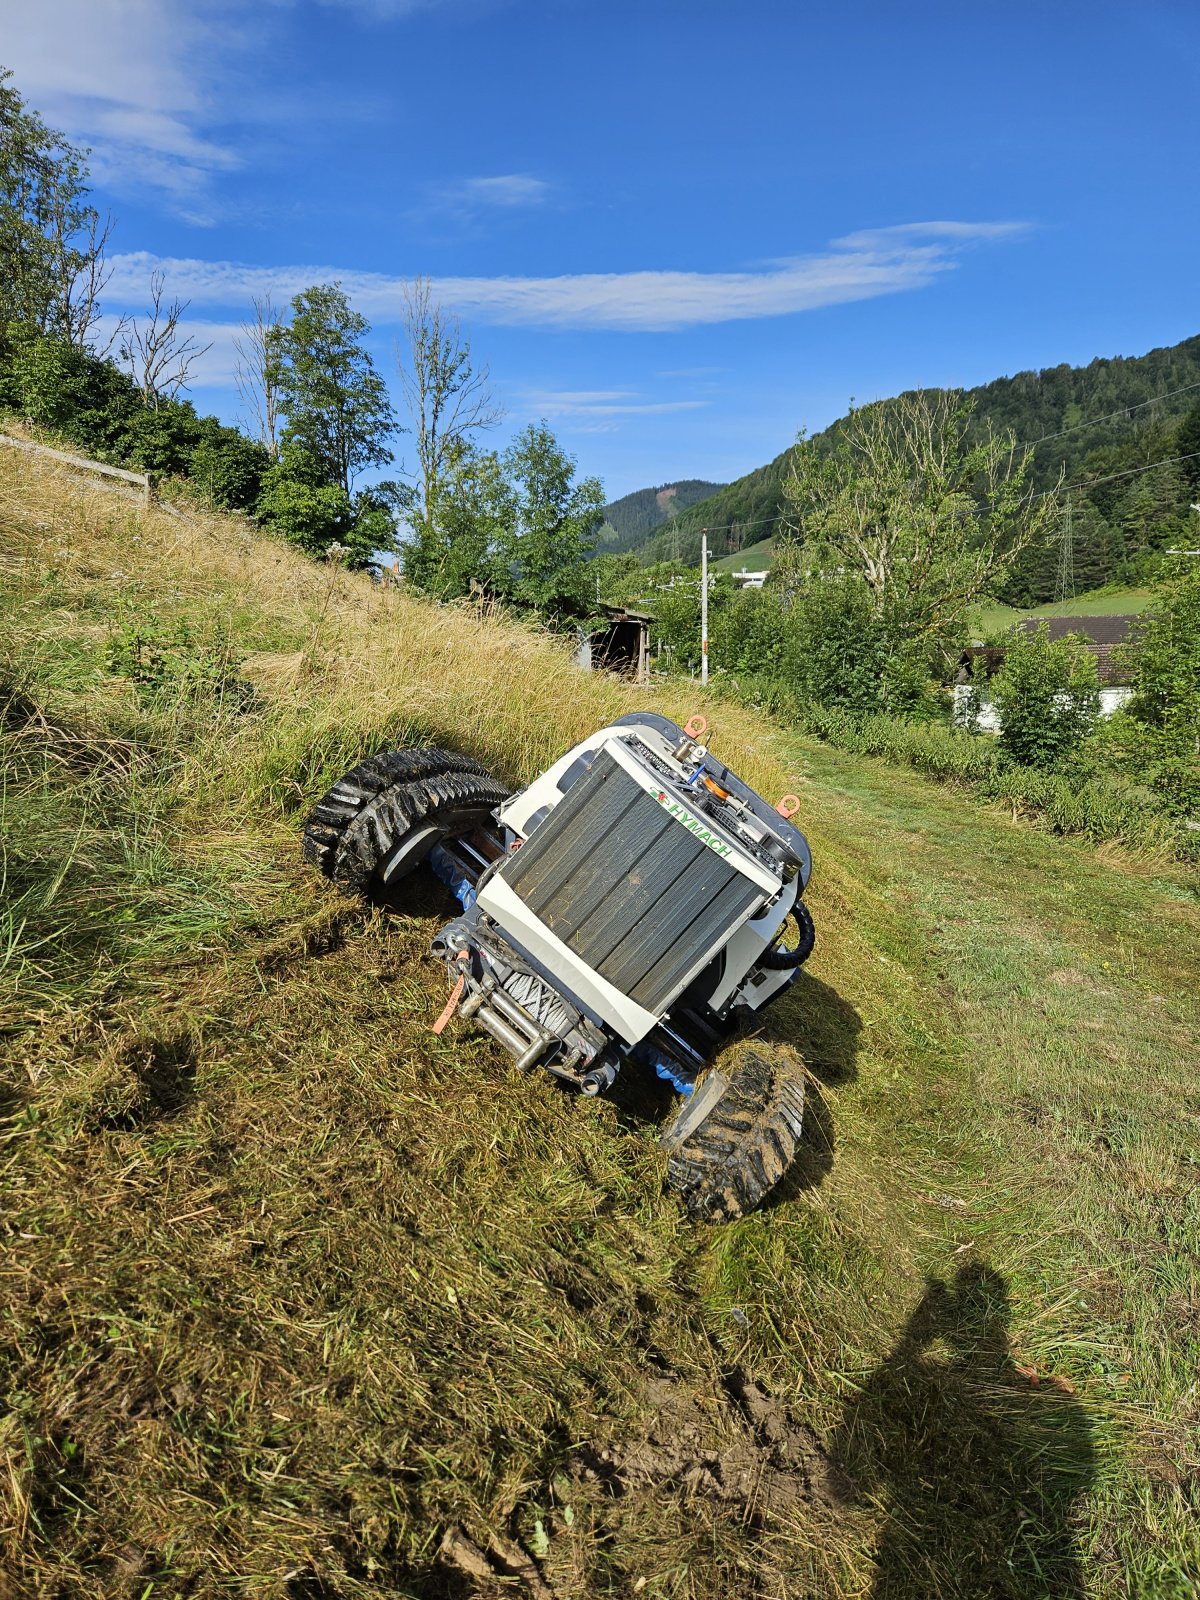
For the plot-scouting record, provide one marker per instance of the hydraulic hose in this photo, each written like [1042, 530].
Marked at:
[781, 960]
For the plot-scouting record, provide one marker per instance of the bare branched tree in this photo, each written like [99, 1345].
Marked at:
[256, 372]
[80, 258]
[446, 395]
[158, 354]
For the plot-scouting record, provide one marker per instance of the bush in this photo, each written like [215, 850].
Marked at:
[1048, 697]
[1165, 709]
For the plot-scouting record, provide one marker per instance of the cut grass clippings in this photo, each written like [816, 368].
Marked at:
[302, 1300]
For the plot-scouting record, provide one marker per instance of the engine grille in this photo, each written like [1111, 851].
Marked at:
[631, 891]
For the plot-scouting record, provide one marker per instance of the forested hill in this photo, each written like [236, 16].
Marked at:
[1114, 416]
[631, 520]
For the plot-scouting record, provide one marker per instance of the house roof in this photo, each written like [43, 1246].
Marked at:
[1098, 630]
[1110, 670]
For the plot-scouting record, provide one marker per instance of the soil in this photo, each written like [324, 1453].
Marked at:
[746, 1450]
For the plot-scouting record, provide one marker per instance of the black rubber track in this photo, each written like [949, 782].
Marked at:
[451, 802]
[727, 1165]
[364, 783]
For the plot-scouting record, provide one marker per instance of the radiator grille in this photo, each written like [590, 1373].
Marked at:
[631, 891]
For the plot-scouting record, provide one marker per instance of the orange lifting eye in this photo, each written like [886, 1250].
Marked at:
[715, 788]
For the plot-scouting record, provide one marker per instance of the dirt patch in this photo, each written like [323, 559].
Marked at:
[746, 1449]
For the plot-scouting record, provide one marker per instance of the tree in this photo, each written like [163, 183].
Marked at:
[471, 516]
[448, 397]
[335, 402]
[52, 241]
[1048, 696]
[158, 353]
[905, 501]
[1187, 444]
[255, 372]
[1166, 702]
[555, 521]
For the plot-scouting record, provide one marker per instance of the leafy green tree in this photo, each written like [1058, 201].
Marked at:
[336, 404]
[1166, 704]
[554, 524]
[1048, 696]
[471, 514]
[302, 506]
[52, 240]
[1187, 444]
[927, 517]
[836, 647]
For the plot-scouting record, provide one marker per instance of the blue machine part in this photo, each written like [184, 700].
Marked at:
[671, 1071]
[445, 867]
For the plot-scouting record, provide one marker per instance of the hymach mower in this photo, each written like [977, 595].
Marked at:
[626, 910]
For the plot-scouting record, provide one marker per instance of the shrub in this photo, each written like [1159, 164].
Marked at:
[1048, 697]
[1165, 709]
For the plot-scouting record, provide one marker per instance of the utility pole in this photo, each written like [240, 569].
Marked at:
[704, 605]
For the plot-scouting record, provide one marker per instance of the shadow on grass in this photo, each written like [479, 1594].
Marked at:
[825, 1029]
[977, 1465]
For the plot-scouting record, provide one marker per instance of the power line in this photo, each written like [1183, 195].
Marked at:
[1028, 444]
[1083, 483]
[1091, 422]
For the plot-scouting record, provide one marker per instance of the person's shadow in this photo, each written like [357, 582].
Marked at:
[975, 1464]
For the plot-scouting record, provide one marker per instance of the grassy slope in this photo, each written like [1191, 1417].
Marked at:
[290, 1284]
[755, 558]
[1107, 602]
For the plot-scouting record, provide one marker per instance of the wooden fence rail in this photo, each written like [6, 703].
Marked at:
[141, 479]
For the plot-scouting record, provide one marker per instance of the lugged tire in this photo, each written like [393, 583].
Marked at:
[728, 1164]
[364, 819]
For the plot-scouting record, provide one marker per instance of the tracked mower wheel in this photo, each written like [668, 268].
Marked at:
[383, 818]
[736, 1134]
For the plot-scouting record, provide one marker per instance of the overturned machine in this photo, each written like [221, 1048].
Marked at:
[629, 908]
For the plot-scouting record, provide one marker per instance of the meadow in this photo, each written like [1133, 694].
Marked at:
[300, 1300]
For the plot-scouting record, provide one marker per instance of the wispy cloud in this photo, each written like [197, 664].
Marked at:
[860, 266]
[469, 199]
[134, 79]
[599, 403]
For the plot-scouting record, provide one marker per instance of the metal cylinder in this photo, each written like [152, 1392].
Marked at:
[599, 1078]
[502, 1032]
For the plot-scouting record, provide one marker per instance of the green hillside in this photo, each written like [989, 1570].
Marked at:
[301, 1299]
[1100, 425]
[629, 521]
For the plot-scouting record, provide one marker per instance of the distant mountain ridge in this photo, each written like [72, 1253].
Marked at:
[631, 520]
[1114, 416]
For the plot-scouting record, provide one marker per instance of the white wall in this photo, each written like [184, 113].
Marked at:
[989, 720]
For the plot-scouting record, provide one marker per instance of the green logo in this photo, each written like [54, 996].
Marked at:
[692, 824]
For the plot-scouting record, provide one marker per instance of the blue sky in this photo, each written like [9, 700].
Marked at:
[680, 230]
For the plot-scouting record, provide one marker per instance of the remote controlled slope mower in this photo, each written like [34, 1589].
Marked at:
[618, 912]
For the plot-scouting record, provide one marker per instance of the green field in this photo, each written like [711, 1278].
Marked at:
[755, 559]
[993, 619]
[298, 1299]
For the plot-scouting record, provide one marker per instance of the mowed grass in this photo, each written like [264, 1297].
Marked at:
[291, 1286]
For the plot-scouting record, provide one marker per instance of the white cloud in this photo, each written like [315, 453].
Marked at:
[594, 403]
[135, 79]
[861, 266]
[510, 189]
[468, 200]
